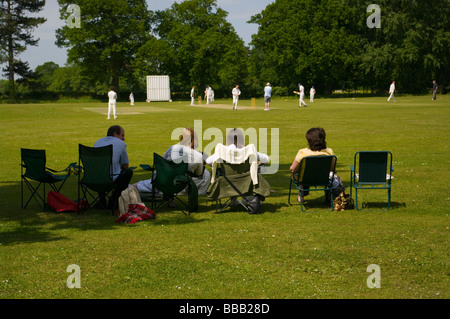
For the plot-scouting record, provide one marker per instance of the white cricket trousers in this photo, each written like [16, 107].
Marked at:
[112, 108]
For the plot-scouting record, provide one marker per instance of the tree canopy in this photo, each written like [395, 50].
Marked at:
[326, 43]
[110, 34]
[15, 35]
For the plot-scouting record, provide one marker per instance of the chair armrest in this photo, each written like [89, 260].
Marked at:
[68, 169]
[147, 167]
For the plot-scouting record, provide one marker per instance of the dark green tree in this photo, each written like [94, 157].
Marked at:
[308, 41]
[411, 47]
[15, 35]
[202, 47]
[110, 34]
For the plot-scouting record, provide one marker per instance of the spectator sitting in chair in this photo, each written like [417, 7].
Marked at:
[317, 146]
[237, 152]
[185, 151]
[120, 163]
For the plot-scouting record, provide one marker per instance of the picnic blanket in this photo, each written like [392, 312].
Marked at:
[136, 213]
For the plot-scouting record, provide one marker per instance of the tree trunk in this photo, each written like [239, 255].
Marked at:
[11, 84]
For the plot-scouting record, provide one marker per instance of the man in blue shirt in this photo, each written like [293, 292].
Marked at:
[267, 96]
[120, 164]
[435, 88]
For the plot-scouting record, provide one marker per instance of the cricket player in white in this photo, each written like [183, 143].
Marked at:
[209, 95]
[312, 92]
[236, 92]
[301, 92]
[391, 91]
[192, 95]
[131, 98]
[112, 103]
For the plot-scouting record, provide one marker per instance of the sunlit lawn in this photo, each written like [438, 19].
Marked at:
[282, 253]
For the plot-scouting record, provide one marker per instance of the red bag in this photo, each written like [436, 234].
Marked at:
[136, 213]
[60, 203]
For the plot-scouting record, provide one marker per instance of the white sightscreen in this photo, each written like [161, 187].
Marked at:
[158, 88]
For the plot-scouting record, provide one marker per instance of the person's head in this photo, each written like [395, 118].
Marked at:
[116, 131]
[189, 138]
[434, 82]
[268, 84]
[235, 137]
[112, 88]
[316, 139]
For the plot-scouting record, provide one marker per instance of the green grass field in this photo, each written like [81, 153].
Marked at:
[282, 253]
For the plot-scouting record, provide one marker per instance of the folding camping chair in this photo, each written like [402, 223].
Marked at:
[34, 163]
[171, 178]
[371, 170]
[234, 183]
[316, 173]
[95, 179]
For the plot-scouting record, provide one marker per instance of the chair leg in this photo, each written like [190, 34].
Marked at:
[289, 196]
[389, 199]
[34, 192]
[356, 199]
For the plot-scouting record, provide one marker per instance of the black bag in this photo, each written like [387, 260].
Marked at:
[254, 206]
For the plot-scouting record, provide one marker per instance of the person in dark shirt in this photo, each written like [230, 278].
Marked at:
[435, 88]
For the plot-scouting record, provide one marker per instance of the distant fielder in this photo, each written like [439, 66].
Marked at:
[435, 88]
[112, 103]
[236, 92]
[312, 92]
[192, 95]
[131, 98]
[391, 91]
[301, 92]
[209, 94]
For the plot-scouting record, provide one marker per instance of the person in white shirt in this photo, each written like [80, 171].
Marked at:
[312, 92]
[391, 91]
[302, 95]
[112, 103]
[192, 95]
[185, 151]
[267, 96]
[236, 92]
[131, 98]
[209, 93]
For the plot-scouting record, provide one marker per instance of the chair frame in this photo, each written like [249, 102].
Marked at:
[85, 190]
[376, 183]
[310, 179]
[165, 198]
[221, 172]
[45, 176]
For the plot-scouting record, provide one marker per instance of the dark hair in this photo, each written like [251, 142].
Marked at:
[114, 129]
[188, 138]
[235, 137]
[316, 139]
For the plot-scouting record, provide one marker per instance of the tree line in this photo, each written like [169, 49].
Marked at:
[331, 44]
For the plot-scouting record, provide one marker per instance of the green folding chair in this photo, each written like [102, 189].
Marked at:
[371, 170]
[234, 183]
[315, 173]
[171, 178]
[96, 176]
[34, 170]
